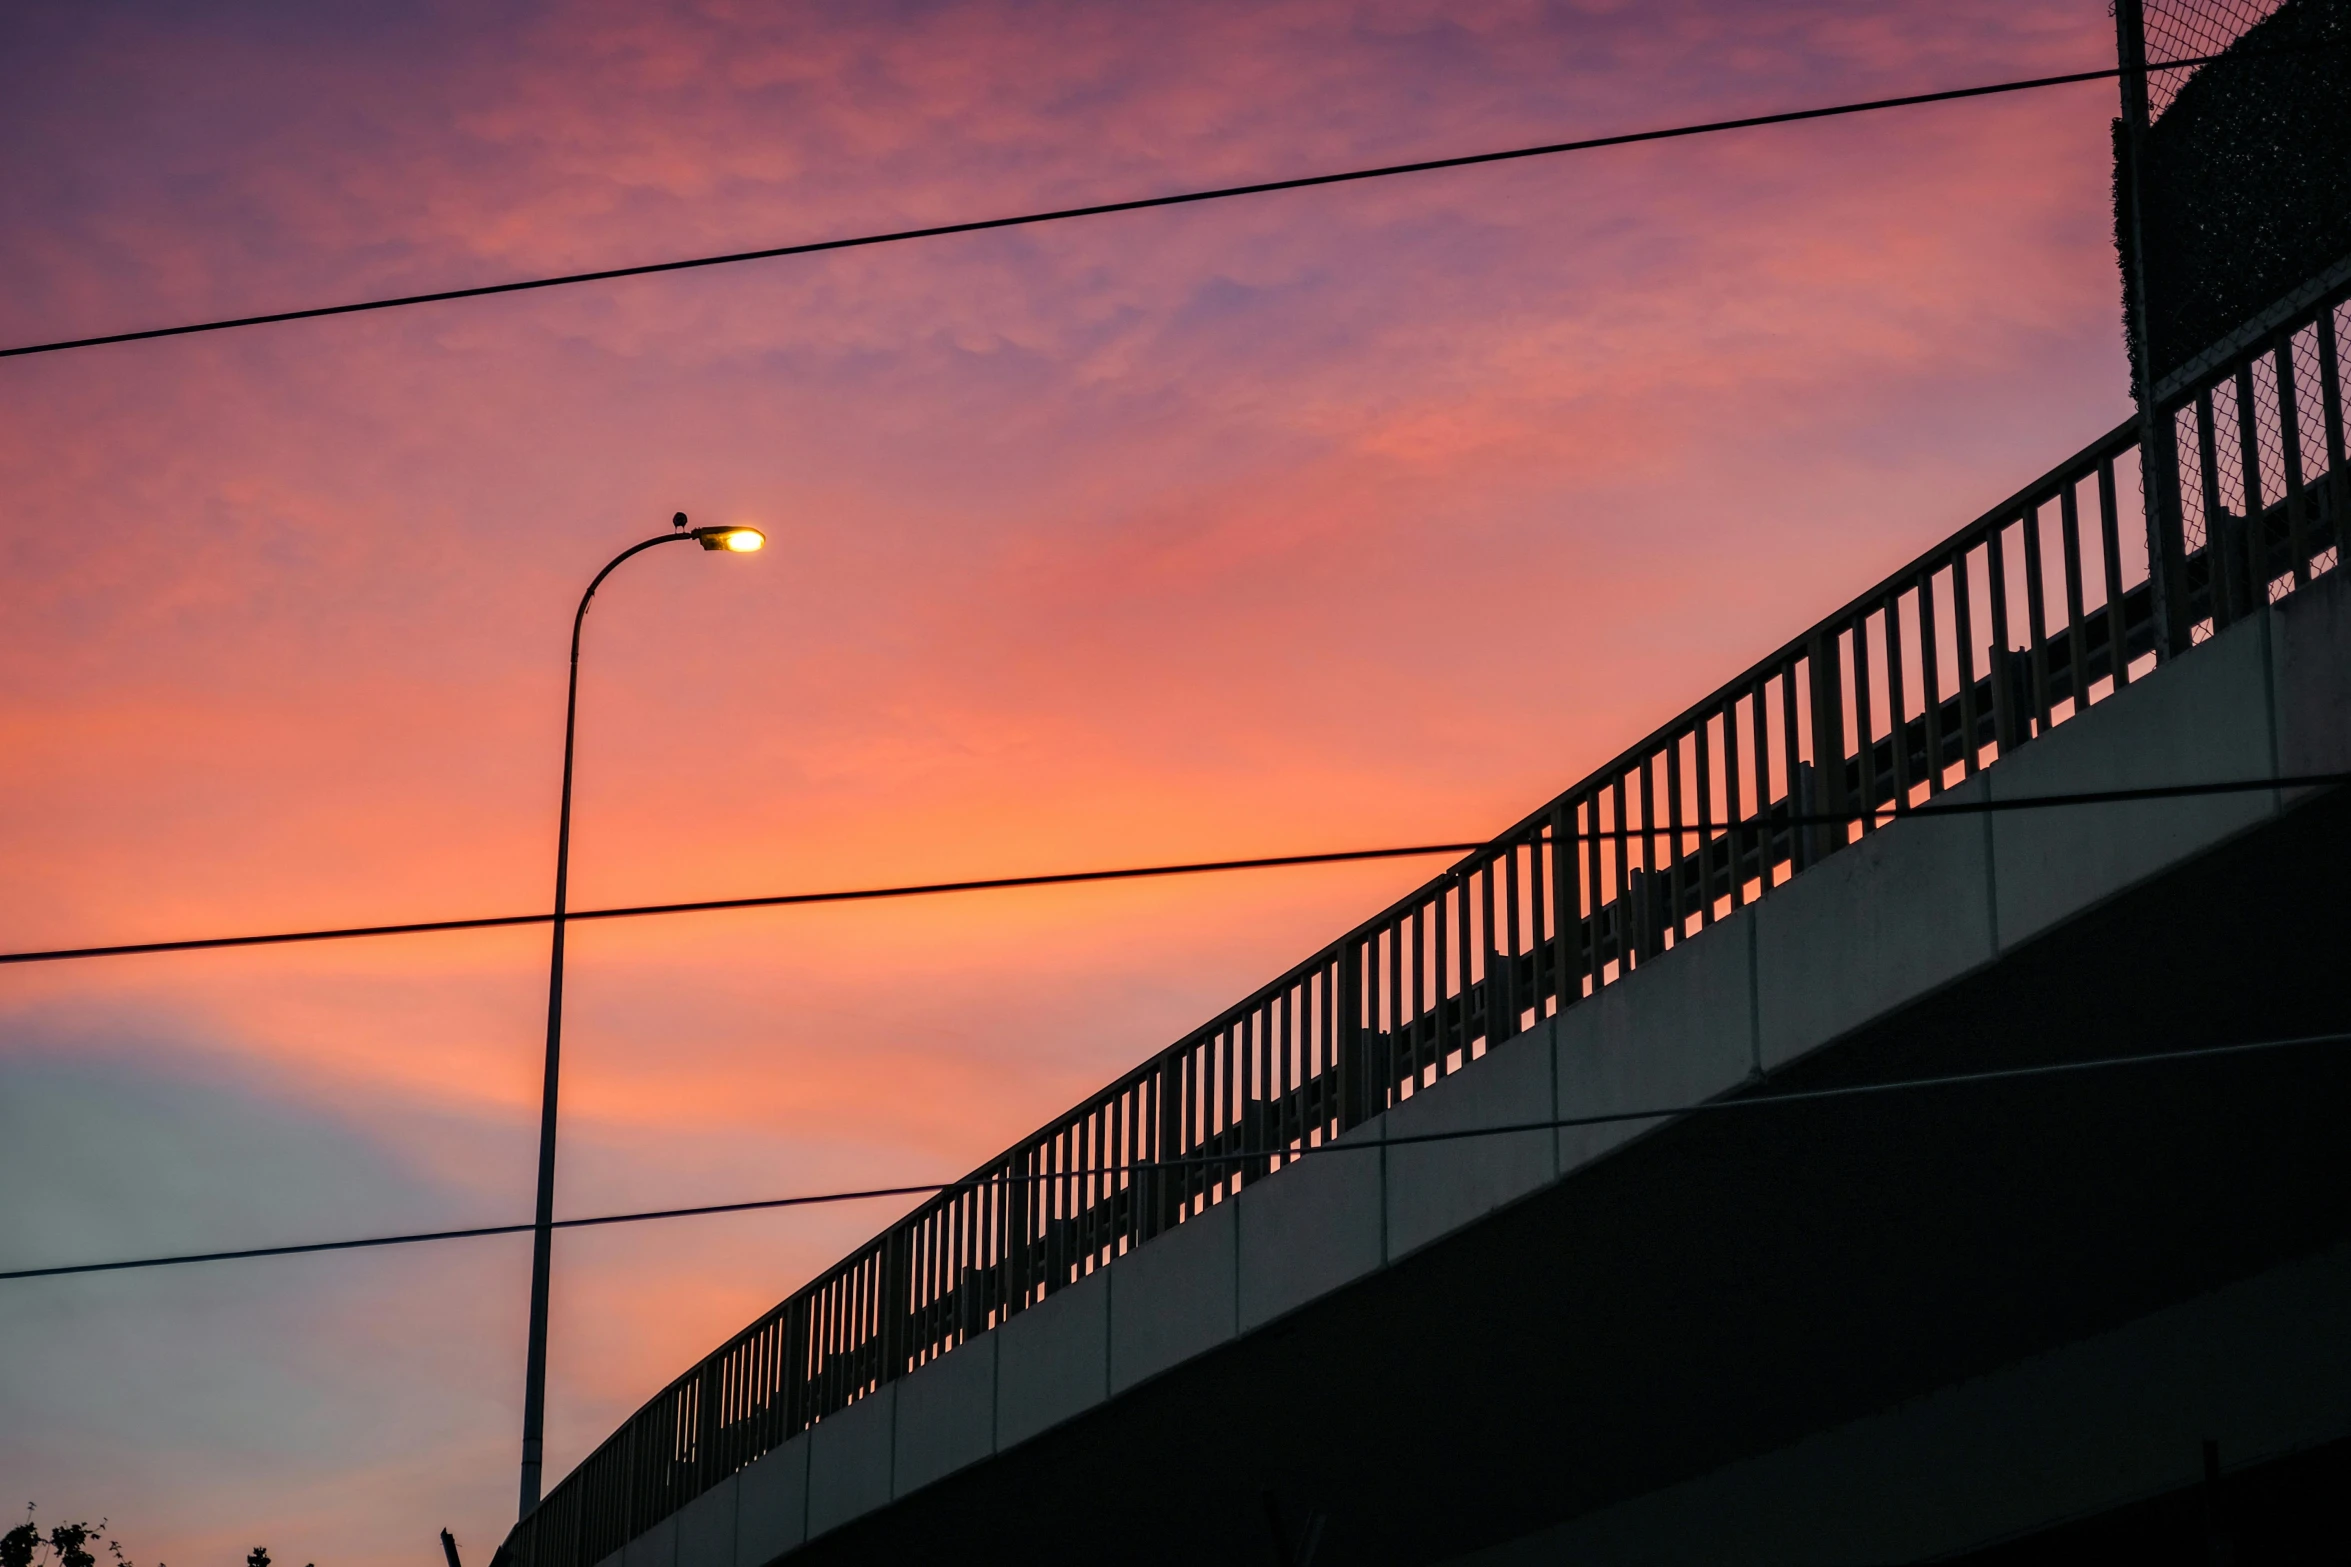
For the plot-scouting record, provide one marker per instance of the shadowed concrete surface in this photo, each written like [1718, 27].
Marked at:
[1892, 1328]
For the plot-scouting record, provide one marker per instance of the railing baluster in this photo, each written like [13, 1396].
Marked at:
[2004, 715]
[1342, 1021]
[2077, 658]
[1731, 804]
[2110, 545]
[1414, 977]
[1897, 700]
[1761, 735]
[1464, 968]
[2256, 533]
[2290, 454]
[1704, 857]
[1865, 758]
[1644, 891]
[1580, 868]
[1929, 680]
[2330, 396]
[1513, 1003]
[1672, 879]
[2220, 568]
[1280, 1024]
[1240, 1127]
[2036, 619]
[1330, 1116]
[1440, 968]
[1971, 718]
[1828, 741]
[1495, 986]
[1391, 1057]
[1622, 874]
[1591, 929]
[1800, 801]
[1563, 865]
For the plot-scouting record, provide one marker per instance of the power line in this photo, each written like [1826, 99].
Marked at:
[1226, 1160]
[711, 905]
[1880, 814]
[1104, 209]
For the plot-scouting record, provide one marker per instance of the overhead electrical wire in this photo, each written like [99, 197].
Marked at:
[1103, 209]
[711, 905]
[1226, 1160]
[1107, 208]
[1882, 815]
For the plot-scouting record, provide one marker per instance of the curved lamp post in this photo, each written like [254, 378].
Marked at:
[534, 1395]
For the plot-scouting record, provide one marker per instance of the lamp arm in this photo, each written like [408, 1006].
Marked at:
[534, 1397]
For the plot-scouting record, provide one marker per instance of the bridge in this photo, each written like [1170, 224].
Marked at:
[1529, 1220]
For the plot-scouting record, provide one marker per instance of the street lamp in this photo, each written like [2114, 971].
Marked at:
[730, 540]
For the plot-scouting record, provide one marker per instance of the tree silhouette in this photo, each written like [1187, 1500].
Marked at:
[78, 1544]
[65, 1545]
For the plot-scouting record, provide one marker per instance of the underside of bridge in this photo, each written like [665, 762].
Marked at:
[1733, 1286]
[2288, 1509]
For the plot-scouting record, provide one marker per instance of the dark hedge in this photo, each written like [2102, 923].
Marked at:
[2247, 182]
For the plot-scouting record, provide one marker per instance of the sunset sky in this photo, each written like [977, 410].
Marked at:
[1355, 516]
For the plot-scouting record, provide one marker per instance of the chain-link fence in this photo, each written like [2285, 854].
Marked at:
[2191, 30]
[2261, 468]
[2241, 173]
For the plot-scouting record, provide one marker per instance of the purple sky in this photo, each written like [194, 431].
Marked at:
[1301, 522]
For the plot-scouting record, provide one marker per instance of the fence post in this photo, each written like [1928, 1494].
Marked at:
[896, 1302]
[706, 1393]
[1828, 739]
[1347, 1011]
[2221, 555]
[792, 1380]
[1567, 910]
[2158, 447]
[1501, 992]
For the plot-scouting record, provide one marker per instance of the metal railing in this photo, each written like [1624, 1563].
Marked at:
[2040, 608]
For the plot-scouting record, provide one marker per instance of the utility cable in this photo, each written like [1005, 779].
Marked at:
[1226, 1160]
[1880, 815]
[1108, 208]
[709, 905]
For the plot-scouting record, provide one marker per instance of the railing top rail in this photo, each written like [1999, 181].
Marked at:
[2251, 339]
[2122, 438]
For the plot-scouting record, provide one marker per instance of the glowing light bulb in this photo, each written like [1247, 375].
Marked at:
[738, 541]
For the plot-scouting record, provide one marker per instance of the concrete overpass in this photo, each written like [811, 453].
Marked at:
[1222, 1304]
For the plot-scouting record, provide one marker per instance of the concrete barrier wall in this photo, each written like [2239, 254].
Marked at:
[1909, 909]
